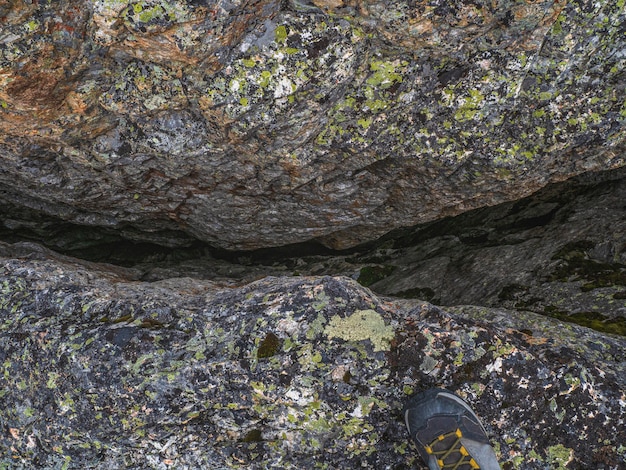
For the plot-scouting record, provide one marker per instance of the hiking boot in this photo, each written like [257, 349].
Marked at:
[447, 432]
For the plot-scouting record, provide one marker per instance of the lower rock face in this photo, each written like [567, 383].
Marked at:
[103, 371]
[252, 124]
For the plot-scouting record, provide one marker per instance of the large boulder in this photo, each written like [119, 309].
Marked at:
[100, 370]
[254, 124]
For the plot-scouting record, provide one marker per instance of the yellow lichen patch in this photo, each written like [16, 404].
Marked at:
[361, 325]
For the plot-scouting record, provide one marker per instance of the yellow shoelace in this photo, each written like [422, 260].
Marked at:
[455, 448]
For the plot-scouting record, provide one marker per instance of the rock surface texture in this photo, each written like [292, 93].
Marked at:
[206, 127]
[252, 124]
[100, 370]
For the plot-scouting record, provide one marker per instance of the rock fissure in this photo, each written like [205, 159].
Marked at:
[270, 359]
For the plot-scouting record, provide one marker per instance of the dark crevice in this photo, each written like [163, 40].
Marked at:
[560, 252]
[485, 227]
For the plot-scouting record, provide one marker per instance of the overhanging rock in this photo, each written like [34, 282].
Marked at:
[255, 124]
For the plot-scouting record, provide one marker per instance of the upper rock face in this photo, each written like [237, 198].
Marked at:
[253, 124]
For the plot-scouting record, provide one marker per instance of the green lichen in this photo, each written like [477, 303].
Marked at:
[316, 326]
[264, 80]
[280, 34]
[559, 456]
[32, 25]
[385, 73]
[360, 326]
[470, 107]
[153, 12]
[428, 364]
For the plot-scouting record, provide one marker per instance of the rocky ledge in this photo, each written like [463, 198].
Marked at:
[101, 370]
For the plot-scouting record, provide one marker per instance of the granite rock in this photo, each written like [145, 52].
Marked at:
[102, 370]
[252, 124]
[255, 124]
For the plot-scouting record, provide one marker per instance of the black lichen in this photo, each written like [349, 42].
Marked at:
[269, 346]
